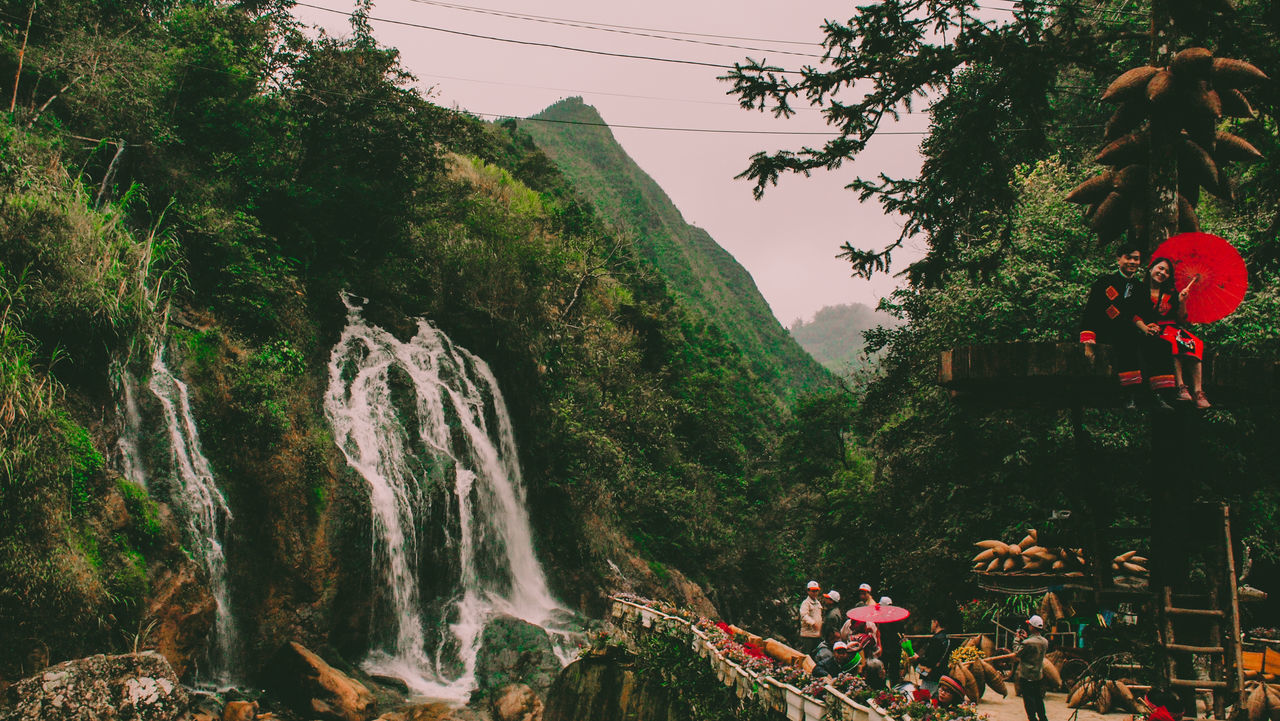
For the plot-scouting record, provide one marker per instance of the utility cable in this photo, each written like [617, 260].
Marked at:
[626, 27]
[601, 28]
[723, 131]
[533, 43]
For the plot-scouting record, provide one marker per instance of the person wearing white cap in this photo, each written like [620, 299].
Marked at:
[833, 617]
[1029, 647]
[811, 618]
[864, 595]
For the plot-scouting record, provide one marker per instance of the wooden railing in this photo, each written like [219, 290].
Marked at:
[636, 620]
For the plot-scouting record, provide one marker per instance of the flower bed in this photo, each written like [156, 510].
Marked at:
[744, 665]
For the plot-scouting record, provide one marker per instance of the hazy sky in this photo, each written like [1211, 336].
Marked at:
[788, 240]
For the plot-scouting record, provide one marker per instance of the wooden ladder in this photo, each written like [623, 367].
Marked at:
[1221, 618]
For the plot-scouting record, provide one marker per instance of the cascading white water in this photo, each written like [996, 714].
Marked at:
[128, 455]
[455, 431]
[203, 507]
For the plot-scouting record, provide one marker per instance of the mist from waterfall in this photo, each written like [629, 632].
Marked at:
[425, 419]
[204, 509]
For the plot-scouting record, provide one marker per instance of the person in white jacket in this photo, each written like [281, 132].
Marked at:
[811, 618]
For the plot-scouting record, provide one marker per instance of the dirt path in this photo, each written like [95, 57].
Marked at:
[1055, 704]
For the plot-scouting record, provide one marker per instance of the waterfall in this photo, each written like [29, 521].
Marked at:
[425, 419]
[128, 455]
[204, 509]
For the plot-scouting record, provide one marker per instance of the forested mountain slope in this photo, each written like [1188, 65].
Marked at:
[701, 272]
[180, 223]
[834, 335]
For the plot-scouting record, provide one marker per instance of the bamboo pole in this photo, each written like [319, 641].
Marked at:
[22, 53]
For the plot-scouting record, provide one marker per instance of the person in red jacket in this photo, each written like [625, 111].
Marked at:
[1160, 312]
[1109, 318]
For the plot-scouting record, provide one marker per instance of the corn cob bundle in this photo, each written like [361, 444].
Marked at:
[1193, 93]
[1130, 563]
[1027, 556]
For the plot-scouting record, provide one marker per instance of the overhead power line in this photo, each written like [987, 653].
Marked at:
[724, 131]
[609, 29]
[533, 43]
[628, 27]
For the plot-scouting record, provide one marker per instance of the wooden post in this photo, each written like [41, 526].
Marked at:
[1234, 661]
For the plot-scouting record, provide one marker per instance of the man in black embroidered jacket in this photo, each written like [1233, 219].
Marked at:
[1106, 321]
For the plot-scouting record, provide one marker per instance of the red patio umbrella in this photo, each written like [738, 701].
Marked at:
[1214, 270]
[878, 613]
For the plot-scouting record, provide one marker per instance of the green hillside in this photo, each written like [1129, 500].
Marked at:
[705, 275]
[834, 336]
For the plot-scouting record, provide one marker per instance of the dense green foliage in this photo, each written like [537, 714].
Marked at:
[703, 275]
[206, 177]
[834, 335]
[1008, 260]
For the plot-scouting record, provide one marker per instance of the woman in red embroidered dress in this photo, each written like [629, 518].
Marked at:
[1160, 312]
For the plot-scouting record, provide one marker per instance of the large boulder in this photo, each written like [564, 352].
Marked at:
[129, 687]
[514, 651]
[516, 702]
[314, 689]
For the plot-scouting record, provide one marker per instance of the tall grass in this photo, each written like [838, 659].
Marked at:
[90, 280]
[27, 398]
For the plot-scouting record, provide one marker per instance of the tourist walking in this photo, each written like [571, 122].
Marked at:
[891, 646]
[1029, 647]
[935, 656]
[811, 618]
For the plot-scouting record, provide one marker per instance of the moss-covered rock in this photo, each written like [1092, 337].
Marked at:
[514, 651]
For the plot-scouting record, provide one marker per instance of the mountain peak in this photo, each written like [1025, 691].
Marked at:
[574, 108]
[706, 278]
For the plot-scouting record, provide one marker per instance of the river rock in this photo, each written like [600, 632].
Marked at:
[421, 712]
[129, 687]
[240, 711]
[517, 702]
[514, 651]
[316, 690]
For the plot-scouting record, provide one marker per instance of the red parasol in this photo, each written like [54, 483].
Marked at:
[1214, 270]
[877, 613]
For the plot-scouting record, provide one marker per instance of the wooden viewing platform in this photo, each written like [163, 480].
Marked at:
[1075, 376]
[1065, 375]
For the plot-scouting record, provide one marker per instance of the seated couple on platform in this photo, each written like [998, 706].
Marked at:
[1144, 322]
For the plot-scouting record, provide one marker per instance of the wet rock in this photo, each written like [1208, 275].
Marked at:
[391, 682]
[517, 702]
[314, 689]
[182, 609]
[203, 707]
[514, 651]
[240, 711]
[129, 687]
[422, 712]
